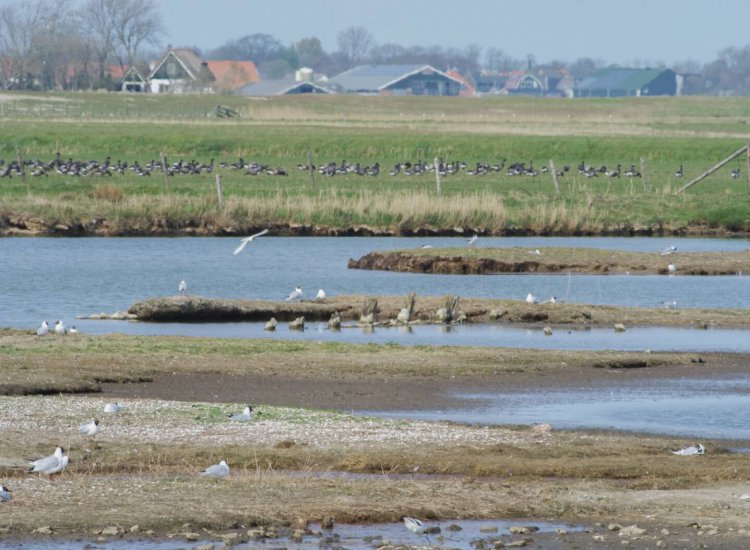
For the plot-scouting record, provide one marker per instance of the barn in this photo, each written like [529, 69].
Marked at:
[281, 87]
[622, 82]
[397, 80]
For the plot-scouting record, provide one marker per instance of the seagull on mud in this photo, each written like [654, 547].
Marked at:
[244, 416]
[472, 240]
[113, 407]
[59, 327]
[295, 294]
[218, 471]
[73, 330]
[5, 494]
[669, 250]
[182, 287]
[90, 428]
[416, 527]
[692, 450]
[50, 465]
[536, 252]
[672, 268]
[531, 299]
[670, 304]
[321, 295]
[43, 330]
[247, 240]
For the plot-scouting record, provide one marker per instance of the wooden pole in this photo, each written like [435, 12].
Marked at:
[21, 169]
[714, 168]
[164, 168]
[219, 192]
[643, 174]
[437, 174]
[748, 165]
[311, 169]
[553, 170]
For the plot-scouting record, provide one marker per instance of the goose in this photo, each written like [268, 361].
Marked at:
[736, 173]
[680, 172]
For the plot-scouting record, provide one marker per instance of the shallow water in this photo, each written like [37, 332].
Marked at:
[60, 278]
[353, 537]
[691, 408]
[633, 339]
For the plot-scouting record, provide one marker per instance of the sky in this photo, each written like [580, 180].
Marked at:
[613, 31]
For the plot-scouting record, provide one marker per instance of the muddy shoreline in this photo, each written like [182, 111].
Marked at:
[18, 225]
[196, 309]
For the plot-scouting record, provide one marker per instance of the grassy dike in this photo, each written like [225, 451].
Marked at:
[694, 132]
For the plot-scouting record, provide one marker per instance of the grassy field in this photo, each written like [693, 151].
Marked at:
[664, 132]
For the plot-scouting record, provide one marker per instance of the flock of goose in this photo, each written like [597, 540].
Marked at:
[71, 167]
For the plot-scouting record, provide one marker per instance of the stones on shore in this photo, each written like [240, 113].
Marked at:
[297, 324]
[619, 327]
[116, 316]
[334, 323]
[45, 530]
[270, 324]
[547, 331]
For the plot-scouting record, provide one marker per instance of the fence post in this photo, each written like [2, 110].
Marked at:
[738, 152]
[643, 174]
[437, 174]
[553, 170]
[164, 169]
[748, 165]
[219, 192]
[311, 169]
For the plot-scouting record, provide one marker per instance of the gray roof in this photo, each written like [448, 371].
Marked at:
[619, 79]
[277, 87]
[373, 78]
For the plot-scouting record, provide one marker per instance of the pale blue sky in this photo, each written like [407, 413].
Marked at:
[616, 31]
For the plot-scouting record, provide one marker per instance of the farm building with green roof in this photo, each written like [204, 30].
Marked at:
[620, 82]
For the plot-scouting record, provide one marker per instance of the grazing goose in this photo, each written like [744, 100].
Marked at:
[736, 173]
[680, 172]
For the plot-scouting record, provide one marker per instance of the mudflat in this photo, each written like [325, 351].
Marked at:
[295, 463]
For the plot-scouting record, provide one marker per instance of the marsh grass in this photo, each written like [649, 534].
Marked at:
[281, 131]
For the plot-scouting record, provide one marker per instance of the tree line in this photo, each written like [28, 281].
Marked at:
[58, 44]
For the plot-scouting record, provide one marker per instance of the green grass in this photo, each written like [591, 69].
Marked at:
[665, 132]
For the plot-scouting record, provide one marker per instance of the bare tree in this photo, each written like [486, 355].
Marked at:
[96, 17]
[135, 23]
[355, 43]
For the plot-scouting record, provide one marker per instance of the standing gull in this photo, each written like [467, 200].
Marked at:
[531, 299]
[295, 294]
[321, 295]
[5, 494]
[472, 240]
[59, 327]
[244, 416]
[182, 287]
[43, 330]
[49, 465]
[669, 250]
[244, 242]
[219, 470]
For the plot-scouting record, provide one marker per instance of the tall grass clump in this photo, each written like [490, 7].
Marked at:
[108, 192]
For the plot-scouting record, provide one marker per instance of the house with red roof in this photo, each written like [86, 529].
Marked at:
[182, 71]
